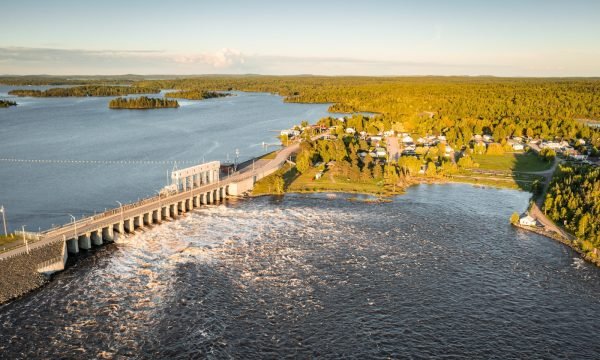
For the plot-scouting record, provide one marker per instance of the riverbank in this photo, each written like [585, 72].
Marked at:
[290, 181]
[555, 236]
[19, 273]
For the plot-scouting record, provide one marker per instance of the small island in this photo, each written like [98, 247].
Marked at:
[142, 103]
[7, 103]
[196, 94]
[87, 90]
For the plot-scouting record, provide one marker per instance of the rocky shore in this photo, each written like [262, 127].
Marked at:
[18, 274]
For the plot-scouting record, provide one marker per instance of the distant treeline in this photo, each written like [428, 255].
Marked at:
[74, 80]
[142, 103]
[7, 103]
[87, 90]
[195, 94]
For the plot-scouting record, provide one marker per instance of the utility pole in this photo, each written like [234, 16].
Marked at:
[4, 220]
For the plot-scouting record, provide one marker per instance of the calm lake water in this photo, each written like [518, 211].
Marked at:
[434, 273]
[42, 194]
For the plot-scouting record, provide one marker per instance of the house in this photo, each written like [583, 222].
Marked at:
[441, 138]
[550, 145]
[407, 139]
[518, 147]
[477, 138]
[517, 139]
[527, 220]
[375, 138]
[341, 119]
[580, 142]
[318, 175]
[488, 138]
[350, 131]
[379, 152]
[389, 133]
[362, 153]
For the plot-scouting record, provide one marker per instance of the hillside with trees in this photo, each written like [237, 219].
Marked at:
[142, 103]
[573, 200]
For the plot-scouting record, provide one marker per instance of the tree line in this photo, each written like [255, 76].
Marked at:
[573, 200]
[87, 90]
[7, 103]
[195, 94]
[142, 102]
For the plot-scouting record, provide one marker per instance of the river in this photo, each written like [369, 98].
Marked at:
[438, 272]
[41, 194]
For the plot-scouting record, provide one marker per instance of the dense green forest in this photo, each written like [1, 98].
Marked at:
[455, 106]
[87, 90]
[195, 94]
[7, 103]
[573, 200]
[142, 102]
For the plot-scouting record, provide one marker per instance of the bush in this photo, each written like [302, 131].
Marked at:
[514, 218]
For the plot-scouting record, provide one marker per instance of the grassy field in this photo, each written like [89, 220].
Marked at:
[512, 162]
[296, 182]
[6, 239]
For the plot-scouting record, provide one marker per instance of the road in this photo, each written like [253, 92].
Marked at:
[393, 148]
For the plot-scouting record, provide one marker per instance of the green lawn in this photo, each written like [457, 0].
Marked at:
[307, 183]
[512, 162]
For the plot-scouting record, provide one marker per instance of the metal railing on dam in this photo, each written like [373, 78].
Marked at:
[82, 233]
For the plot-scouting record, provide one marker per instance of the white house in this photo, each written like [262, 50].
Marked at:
[407, 139]
[375, 138]
[551, 145]
[389, 133]
[441, 138]
[527, 221]
[380, 152]
[350, 130]
[518, 147]
[488, 138]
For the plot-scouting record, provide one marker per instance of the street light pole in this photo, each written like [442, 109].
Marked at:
[4, 219]
[74, 224]
[25, 240]
[121, 207]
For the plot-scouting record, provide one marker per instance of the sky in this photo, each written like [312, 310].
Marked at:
[326, 37]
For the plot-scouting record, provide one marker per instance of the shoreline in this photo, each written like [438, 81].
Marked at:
[554, 236]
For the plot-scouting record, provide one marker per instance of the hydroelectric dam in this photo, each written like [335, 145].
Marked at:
[191, 188]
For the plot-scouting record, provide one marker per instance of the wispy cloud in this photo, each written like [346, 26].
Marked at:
[23, 60]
